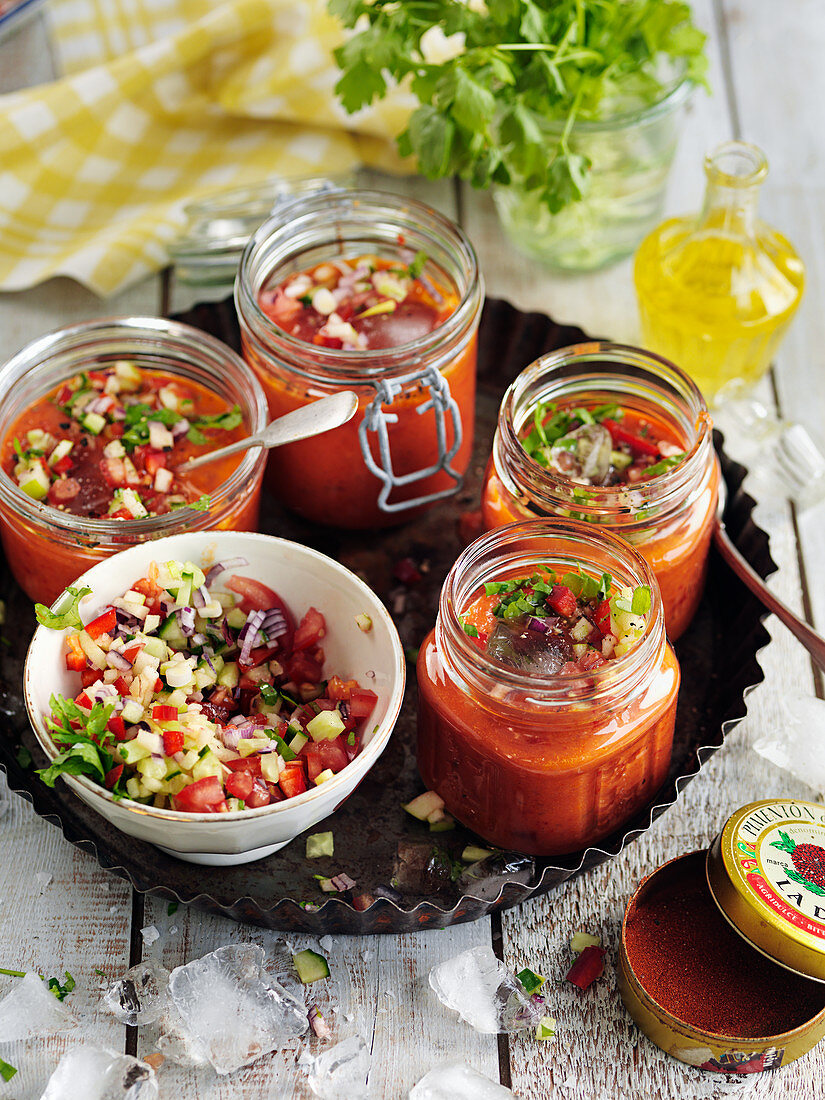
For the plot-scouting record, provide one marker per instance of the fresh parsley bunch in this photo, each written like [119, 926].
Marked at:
[501, 83]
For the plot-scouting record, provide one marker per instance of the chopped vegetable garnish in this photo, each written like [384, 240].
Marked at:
[546, 1028]
[588, 966]
[472, 853]
[7, 1071]
[172, 908]
[23, 757]
[62, 991]
[311, 966]
[364, 623]
[531, 982]
[424, 804]
[320, 844]
[582, 940]
[67, 615]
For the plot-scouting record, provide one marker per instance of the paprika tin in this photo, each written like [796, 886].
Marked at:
[722, 958]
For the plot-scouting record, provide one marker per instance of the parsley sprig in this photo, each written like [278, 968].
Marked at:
[498, 105]
[87, 745]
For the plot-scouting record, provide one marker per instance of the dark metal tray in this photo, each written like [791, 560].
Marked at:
[376, 841]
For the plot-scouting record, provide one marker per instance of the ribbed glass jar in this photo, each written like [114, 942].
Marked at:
[411, 439]
[47, 548]
[544, 764]
[669, 517]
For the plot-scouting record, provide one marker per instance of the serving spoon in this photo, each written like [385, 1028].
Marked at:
[313, 419]
[813, 642]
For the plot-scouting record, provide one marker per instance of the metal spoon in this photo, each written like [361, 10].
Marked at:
[321, 416]
[813, 642]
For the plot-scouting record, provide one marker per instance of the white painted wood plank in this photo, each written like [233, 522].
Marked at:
[378, 981]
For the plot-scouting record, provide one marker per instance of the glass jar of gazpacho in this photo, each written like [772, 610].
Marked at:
[619, 437]
[547, 690]
[379, 294]
[95, 419]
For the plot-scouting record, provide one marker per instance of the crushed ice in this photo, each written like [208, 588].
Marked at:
[95, 1073]
[341, 1071]
[139, 997]
[31, 1010]
[458, 1081]
[481, 989]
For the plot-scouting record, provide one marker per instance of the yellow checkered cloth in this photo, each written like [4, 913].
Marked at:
[165, 101]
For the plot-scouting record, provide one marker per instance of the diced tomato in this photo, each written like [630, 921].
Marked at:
[258, 657]
[153, 460]
[258, 796]
[132, 651]
[602, 617]
[172, 741]
[63, 465]
[103, 624]
[203, 796]
[152, 591]
[362, 702]
[562, 600]
[240, 784]
[590, 660]
[321, 755]
[339, 689]
[334, 342]
[121, 513]
[587, 967]
[84, 701]
[638, 445]
[480, 615]
[111, 777]
[281, 308]
[251, 764]
[90, 676]
[117, 726]
[96, 376]
[158, 684]
[257, 597]
[63, 395]
[406, 571]
[122, 685]
[311, 630]
[292, 781]
[114, 472]
[304, 669]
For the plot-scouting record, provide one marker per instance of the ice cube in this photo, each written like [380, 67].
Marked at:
[140, 996]
[341, 1071]
[488, 877]
[31, 1010]
[794, 744]
[458, 1081]
[232, 1009]
[42, 878]
[484, 992]
[176, 1042]
[150, 934]
[98, 1074]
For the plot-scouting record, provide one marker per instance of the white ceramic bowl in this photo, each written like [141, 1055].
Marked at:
[303, 578]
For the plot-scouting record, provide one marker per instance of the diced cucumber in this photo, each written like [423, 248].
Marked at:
[443, 824]
[94, 423]
[133, 787]
[425, 804]
[235, 804]
[156, 647]
[324, 777]
[172, 634]
[128, 375]
[310, 966]
[320, 844]
[270, 768]
[298, 742]
[132, 751]
[204, 677]
[207, 765]
[619, 460]
[132, 712]
[580, 940]
[60, 451]
[229, 676]
[151, 768]
[472, 853]
[326, 726]
[235, 618]
[249, 745]
[34, 481]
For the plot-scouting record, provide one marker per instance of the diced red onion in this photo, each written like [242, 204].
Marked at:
[180, 427]
[167, 604]
[199, 639]
[230, 736]
[343, 706]
[249, 635]
[98, 405]
[226, 630]
[200, 597]
[115, 659]
[274, 624]
[219, 566]
[208, 653]
[100, 690]
[537, 625]
[318, 1023]
[118, 414]
[238, 720]
[342, 882]
[186, 620]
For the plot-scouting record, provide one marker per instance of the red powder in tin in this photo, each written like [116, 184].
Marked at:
[695, 966]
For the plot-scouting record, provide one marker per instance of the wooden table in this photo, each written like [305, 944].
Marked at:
[769, 84]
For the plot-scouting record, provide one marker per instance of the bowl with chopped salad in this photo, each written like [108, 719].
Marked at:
[95, 421]
[214, 693]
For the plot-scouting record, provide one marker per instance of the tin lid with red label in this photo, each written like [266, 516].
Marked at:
[766, 871]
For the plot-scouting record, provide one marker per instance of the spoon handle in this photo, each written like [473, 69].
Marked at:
[319, 416]
[813, 642]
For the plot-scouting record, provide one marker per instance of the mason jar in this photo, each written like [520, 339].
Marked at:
[409, 443]
[667, 518]
[47, 548]
[544, 764]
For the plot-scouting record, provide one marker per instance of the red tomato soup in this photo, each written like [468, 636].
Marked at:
[547, 690]
[396, 322]
[622, 440]
[99, 451]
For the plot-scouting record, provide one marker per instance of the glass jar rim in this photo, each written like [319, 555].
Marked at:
[667, 491]
[90, 337]
[467, 575]
[303, 214]
[672, 96]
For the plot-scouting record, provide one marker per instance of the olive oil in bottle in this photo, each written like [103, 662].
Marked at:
[716, 292]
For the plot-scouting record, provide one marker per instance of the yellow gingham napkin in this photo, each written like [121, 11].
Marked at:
[165, 101]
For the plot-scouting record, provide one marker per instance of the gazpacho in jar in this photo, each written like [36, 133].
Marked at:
[547, 690]
[619, 437]
[382, 295]
[95, 421]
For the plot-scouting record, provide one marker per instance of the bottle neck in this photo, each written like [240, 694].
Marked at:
[735, 173]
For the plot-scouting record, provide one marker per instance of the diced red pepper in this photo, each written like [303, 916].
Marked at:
[203, 796]
[76, 658]
[163, 712]
[240, 784]
[362, 702]
[562, 600]
[638, 445]
[158, 684]
[84, 701]
[117, 726]
[292, 780]
[63, 465]
[132, 651]
[602, 617]
[587, 967]
[122, 685]
[90, 676]
[103, 624]
[111, 777]
[172, 741]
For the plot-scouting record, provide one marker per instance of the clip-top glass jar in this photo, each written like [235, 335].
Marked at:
[410, 442]
[544, 764]
[668, 517]
[47, 548]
